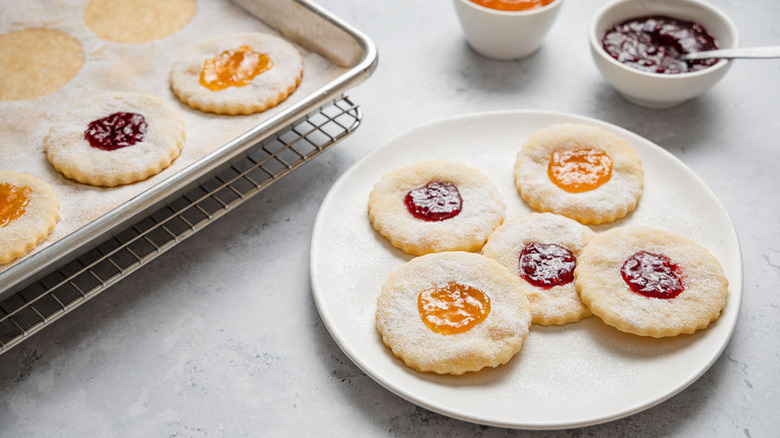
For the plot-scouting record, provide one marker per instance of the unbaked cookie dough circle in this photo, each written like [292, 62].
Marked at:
[35, 62]
[482, 208]
[489, 343]
[137, 21]
[559, 304]
[265, 90]
[33, 221]
[72, 155]
[610, 201]
[603, 289]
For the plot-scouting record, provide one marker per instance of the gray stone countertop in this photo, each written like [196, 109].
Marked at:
[220, 336]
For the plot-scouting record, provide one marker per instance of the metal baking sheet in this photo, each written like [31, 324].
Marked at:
[350, 53]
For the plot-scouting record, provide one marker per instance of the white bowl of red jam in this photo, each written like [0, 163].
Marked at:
[506, 29]
[636, 45]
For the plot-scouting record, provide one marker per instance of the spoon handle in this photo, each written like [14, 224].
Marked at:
[742, 52]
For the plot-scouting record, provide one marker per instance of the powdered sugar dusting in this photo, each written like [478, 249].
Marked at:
[585, 369]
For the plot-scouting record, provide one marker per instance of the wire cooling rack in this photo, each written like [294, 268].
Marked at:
[33, 308]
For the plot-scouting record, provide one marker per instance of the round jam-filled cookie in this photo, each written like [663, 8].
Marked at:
[237, 74]
[452, 312]
[29, 209]
[650, 282]
[115, 139]
[580, 171]
[542, 249]
[435, 206]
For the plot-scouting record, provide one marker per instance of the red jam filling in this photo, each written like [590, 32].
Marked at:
[653, 275]
[435, 201]
[116, 131]
[648, 44]
[547, 265]
[452, 309]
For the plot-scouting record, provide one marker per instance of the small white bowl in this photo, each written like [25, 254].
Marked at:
[658, 90]
[505, 35]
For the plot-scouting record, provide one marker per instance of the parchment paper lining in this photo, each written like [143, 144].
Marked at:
[117, 67]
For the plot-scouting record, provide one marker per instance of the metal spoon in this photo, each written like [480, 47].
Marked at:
[741, 52]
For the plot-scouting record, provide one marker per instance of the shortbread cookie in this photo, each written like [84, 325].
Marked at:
[29, 209]
[35, 62]
[542, 249]
[650, 282]
[137, 21]
[452, 312]
[580, 171]
[237, 74]
[114, 139]
[435, 206]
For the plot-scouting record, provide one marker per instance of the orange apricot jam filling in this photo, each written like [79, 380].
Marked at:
[513, 5]
[13, 202]
[452, 309]
[233, 68]
[580, 170]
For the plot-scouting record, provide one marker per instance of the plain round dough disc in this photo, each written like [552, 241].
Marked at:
[35, 62]
[137, 21]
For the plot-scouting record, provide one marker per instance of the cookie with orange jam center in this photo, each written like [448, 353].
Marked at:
[452, 309]
[29, 209]
[234, 74]
[233, 68]
[453, 312]
[580, 171]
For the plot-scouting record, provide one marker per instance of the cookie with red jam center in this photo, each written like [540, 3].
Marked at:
[435, 206]
[542, 250]
[650, 282]
[115, 139]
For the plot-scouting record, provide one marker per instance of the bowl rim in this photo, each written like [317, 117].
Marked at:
[528, 12]
[595, 41]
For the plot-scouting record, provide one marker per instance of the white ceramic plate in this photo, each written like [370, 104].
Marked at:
[576, 375]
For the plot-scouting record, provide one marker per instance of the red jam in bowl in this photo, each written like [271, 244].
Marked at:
[653, 275]
[649, 44]
[546, 265]
[116, 131]
[434, 202]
